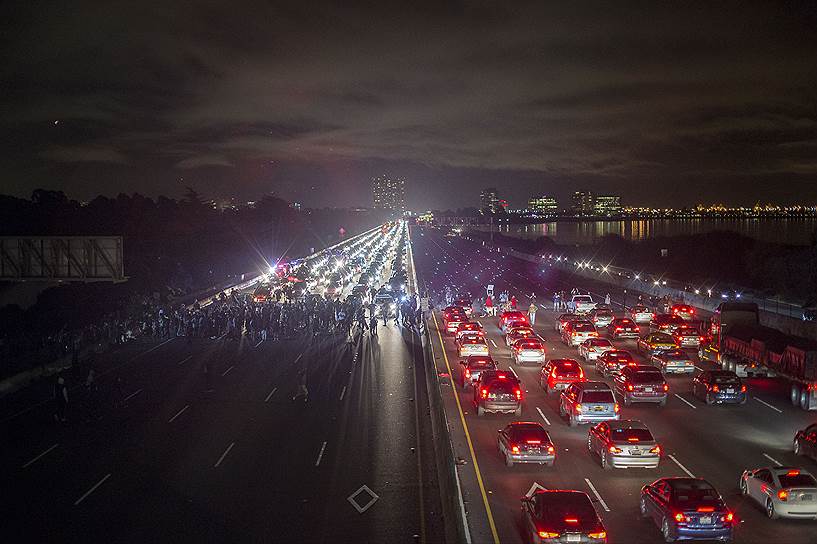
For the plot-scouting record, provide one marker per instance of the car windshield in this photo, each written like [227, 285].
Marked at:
[631, 435]
[797, 480]
[598, 396]
[583, 327]
[647, 377]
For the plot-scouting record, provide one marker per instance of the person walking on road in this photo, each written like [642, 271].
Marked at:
[532, 313]
[556, 302]
[60, 400]
[373, 325]
[489, 306]
[513, 302]
[302, 389]
[607, 299]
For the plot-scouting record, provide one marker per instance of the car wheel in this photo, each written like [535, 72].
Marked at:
[605, 464]
[572, 421]
[642, 507]
[550, 463]
[665, 530]
[797, 448]
[480, 411]
[508, 460]
[742, 486]
[770, 511]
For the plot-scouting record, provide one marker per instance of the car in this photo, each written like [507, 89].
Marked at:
[472, 367]
[526, 442]
[687, 509]
[622, 327]
[563, 320]
[684, 311]
[783, 492]
[601, 317]
[655, 342]
[589, 350]
[588, 402]
[472, 345]
[673, 361]
[624, 443]
[577, 332]
[552, 515]
[719, 387]
[805, 442]
[509, 320]
[666, 323]
[557, 374]
[452, 319]
[464, 303]
[611, 362]
[641, 314]
[687, 337]
[528, 350]
[261, 293]
[468, 328]
[498, 392]
[518, 333]
[641, 383]
[582, 304]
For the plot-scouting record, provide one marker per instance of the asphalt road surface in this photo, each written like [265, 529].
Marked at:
[178, 462]
[713, 442]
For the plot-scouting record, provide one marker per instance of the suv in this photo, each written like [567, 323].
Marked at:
[622, 327]
[557, 374]
[498, 392]
[684, 311]
[576, 332]
[587, 402]
[666, 323]
[590, 350]
[641, 314]
[563, 320]
[641, 384]
[526, 442]
[472, 367]
[528, 350]
[582, 304]
[510, 320]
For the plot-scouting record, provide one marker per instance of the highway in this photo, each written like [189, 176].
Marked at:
[713, 442]
[175, 458]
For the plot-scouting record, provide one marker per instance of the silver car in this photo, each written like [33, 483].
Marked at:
[784, 492]
[623, 444]
[526, 442]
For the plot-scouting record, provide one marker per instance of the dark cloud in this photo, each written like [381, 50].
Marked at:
[663, 103]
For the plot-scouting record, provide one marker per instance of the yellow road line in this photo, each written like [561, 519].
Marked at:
[467, 436]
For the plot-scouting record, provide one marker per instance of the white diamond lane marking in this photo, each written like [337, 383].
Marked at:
[682, 467]
[596, 493]
[534, 488]
[686, 401]
[543, 415]
[372, 499]
[767, 405]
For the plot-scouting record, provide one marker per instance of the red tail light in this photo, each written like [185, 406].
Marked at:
[629, 387]
[551, 450]
[794, 472]
[579, 408]
[533, 441]
[632, 439]
[679, 518]
[571, 520]
[706, 509]
[666, 387]
[742, 388]
[518, 394]
[728, 517]
[581, 373]
[484, 393]
[656, 449]
[548, 534]
[467, 373]
[783, 495]
[715, 388]
[515, 449]
[613, 449]
[601, 535]
[616, 408]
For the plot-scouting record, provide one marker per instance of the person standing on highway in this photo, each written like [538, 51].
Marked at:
[489, 305]
[60, 400]
[532, 313]
[555, 301]
[607, 299]
[513, 302]
[302, 389]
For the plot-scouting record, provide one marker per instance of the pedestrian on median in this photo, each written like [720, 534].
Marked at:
[532, 313]
[60, 400]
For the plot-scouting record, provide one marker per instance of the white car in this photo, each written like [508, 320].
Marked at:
[640, 314]
[582, 304]
[591, 349]
[783, 492]
[528, 350]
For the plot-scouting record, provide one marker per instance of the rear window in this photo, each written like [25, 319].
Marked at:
[531, 345]
[637, 435]
[583, 327]
[721, 378]
[676, 355]
[600, 342]
[799, 480]
[502, 386]
[604, 313]
[692, 494]
[562, 505]
[598, 396]
[530, 432]
[582, 299]
[647, 377]
[480, 363]
[624, 322]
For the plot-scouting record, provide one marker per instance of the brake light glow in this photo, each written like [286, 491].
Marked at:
[551, 450]
[706, 509]
[728, 517]
[794, 472]
[629, 387]
[515, 449]
[501, 376]
[571, 520]
[656, 449]
[533, 441]
[783, 495]
[715, 388]
[579, 408]
[666, 387]
[467, 373]
[601, 535]
[518, 394]
[742, 388]
[613, 449]
[679, 518]
[581, 373]
[616, 407]
[547, 534]
[484, 393]
[632, 439]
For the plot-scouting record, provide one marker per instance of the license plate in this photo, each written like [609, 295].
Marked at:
[706, 520]
[635, 452]
[648, 389]
[574, 538]
[598, 408]
[730, 391]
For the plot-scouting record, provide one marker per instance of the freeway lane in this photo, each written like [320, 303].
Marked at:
[716, 443]
[238, 460]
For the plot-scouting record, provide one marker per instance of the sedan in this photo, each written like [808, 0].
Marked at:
[655, 342]
[563, 320]
[471, 345]
[623, 327]
[687, 509]
[687, 337]
[641, 314]
[557, 374]
[601, 317]
[674, 361]
[623, 444]
[611, 362]
[719, 387]
[561, 516]
[472, 367]
[783, 492]
[526, 442]
[528, 350]
[518, 333]
[641, 384]
[590, 350]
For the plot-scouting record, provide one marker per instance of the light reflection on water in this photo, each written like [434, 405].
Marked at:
[790, 231]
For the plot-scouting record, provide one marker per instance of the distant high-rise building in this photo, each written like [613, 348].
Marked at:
[389, 193]
[543, 205]
[489, 201]
[607, 205]
[582, 203]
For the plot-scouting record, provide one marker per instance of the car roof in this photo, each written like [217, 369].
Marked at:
[626, 424]
[593, 385]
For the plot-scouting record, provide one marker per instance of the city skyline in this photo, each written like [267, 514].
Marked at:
[685, 105]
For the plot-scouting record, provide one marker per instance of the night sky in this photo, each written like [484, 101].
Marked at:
[664, 105]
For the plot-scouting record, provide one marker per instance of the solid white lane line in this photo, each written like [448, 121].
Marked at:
[180, 412]
[320, 454]
[227, 371]
[772, 459]
[479, 323]
[343, 392]
[85, 496]
[223, 455]
[43, 454]
[494, 343]
[767, 405]
[596, 493]
[515, 375]
[271, 393]
[298, 358]
[180, 363]
[132, 395]
[686, 401]
[699, 368]
[682, 467]
[543, 415]
[259, 343]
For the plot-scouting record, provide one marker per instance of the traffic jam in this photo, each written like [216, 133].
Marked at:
[603, 423]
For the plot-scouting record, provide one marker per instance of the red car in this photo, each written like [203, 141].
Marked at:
[623, 327]
[510, 320]
[557, 374]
